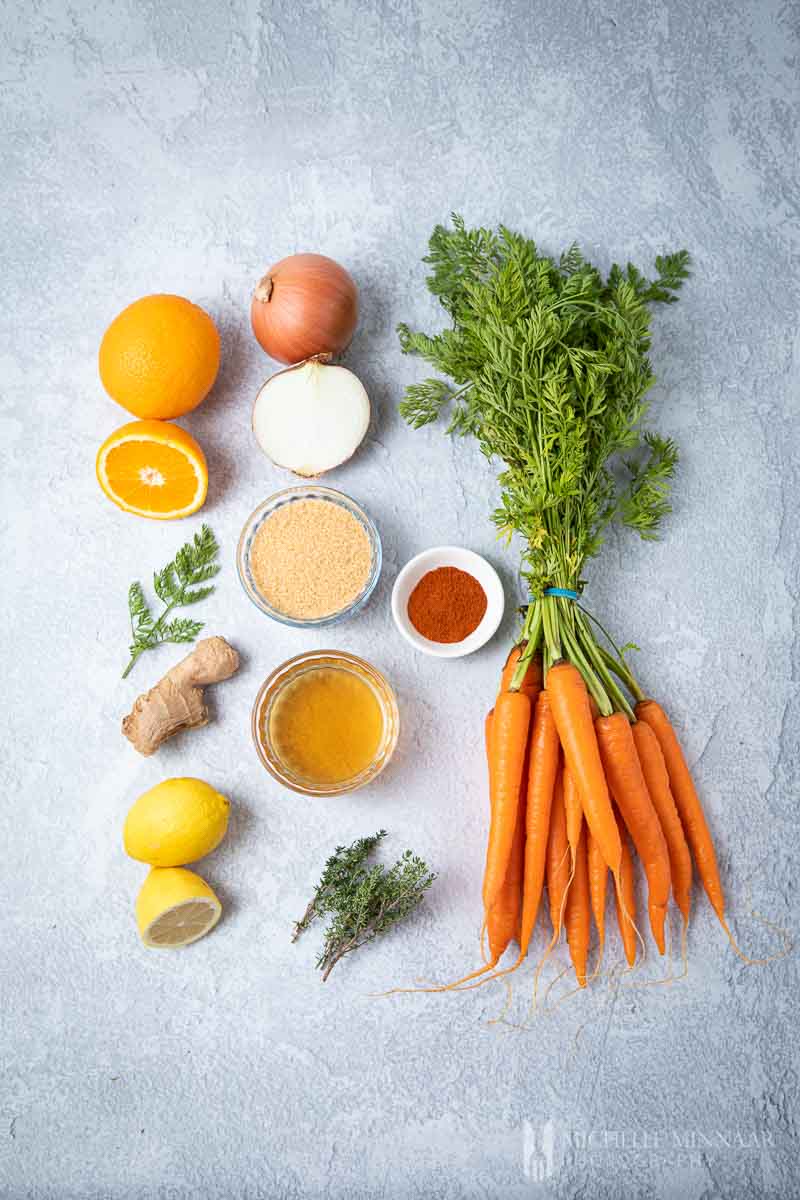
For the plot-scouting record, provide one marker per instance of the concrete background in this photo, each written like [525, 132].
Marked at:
[183, 148]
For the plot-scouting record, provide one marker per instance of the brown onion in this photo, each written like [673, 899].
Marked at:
[305, 305]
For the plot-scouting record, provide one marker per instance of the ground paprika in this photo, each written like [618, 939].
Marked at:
[446, 605]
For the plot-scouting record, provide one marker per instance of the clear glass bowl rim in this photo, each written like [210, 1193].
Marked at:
[288, 669]
[307, 491]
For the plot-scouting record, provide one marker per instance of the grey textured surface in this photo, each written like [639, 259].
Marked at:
[184, 147]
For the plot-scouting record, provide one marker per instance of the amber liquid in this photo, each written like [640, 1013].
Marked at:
[326, 725]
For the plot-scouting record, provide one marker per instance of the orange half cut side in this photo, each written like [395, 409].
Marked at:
[153, 469]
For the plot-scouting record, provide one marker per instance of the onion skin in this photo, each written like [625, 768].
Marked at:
[305, 306]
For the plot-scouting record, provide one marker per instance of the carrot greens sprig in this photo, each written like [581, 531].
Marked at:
[177, 584]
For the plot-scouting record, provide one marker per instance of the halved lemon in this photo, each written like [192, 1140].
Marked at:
[153, 469]
[175, 907]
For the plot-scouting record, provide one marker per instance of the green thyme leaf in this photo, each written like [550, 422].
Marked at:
[362, 901]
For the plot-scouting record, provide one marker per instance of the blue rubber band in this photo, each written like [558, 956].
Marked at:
[566, 592]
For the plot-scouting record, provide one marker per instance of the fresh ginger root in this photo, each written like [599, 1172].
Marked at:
[176, 702]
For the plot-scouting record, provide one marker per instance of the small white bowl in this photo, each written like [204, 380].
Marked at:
[465, 560]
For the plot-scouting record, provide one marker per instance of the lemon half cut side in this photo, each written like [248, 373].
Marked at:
[175, 907]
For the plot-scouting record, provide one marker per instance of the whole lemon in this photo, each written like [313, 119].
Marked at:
[159, 358]
[176, 822]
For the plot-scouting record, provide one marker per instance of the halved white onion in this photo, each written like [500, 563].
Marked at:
[312, 417]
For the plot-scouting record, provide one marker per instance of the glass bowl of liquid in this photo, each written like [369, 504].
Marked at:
[325, 723]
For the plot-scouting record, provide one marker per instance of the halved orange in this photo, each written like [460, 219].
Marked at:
[153, 469]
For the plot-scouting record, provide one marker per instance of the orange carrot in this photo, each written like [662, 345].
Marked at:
[598, 881]
[628, 787]
[557, 858]
[509, 741]
[543, 764]
[532, 681]
[570, 704]
[655, 775]
[542, 770]
[574, 810]
[625, 901]
[502, 920]
[687, 803]
[576, 915]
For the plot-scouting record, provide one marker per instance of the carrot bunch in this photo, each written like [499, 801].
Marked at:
[571, 787]
[545, 361]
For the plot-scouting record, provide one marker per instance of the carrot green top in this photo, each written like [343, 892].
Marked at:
[547, 366]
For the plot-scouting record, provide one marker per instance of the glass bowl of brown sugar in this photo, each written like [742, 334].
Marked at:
[309, 556]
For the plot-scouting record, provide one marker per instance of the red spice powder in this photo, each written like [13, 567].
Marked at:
[446, 605]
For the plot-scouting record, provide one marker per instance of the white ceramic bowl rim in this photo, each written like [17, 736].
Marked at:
[466, 560]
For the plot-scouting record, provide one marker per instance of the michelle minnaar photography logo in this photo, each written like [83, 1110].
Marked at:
[548, 1147]
[539, 1145]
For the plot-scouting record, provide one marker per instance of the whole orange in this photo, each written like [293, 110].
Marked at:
[159, 358]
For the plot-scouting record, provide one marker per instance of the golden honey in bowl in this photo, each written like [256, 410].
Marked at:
[326, 725]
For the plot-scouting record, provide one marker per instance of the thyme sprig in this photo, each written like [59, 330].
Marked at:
[177, 584]
[547, 365]
[362, 901]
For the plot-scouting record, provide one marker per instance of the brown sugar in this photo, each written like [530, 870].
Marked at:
[310, 558]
